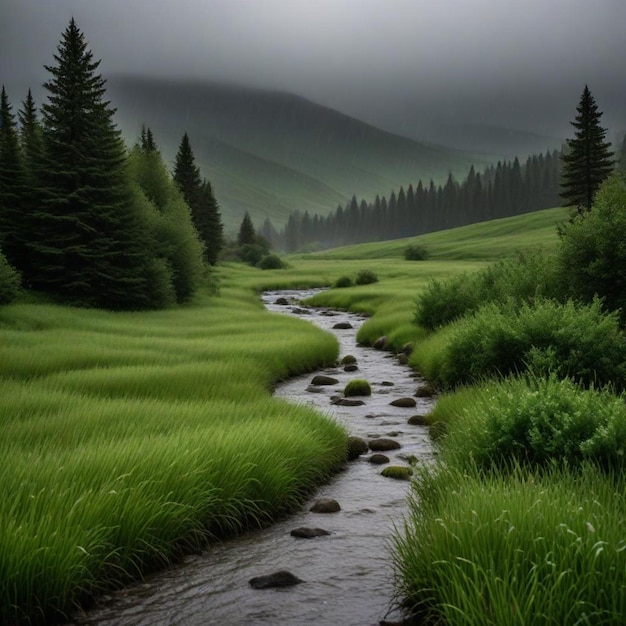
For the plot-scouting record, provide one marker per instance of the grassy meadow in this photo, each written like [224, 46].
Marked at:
[130, 438]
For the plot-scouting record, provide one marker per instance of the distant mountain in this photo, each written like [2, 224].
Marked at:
[504, 143]
[271, 153]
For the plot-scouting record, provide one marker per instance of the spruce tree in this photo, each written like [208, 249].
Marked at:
[198, 194]
[11, 186]
[247, 234]
[94, 243]
[588, 160]
[621, 163]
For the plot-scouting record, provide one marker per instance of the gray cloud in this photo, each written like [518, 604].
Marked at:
[398, 63]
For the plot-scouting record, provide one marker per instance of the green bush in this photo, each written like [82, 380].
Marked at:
[271, 262]
[365, 277]
[415, 252]
[518, 280]
[571, 340]
[9, 281]
[357, 387]
[537, 422]
[342, 282]
[592, 252]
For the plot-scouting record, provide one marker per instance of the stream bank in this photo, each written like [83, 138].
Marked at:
[347, 574]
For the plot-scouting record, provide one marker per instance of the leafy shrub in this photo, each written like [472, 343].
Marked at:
[9, 281]
[592, 253]
[518, 280]
[537, 421]
[415, 252]
[343, 281]
[252, 253]
[365, 277]
[572, 340]
[357, 387]
[271, 262]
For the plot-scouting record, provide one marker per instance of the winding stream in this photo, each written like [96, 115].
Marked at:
[348, 574]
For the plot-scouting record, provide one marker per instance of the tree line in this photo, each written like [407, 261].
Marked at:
[503, 190]
[87, 221]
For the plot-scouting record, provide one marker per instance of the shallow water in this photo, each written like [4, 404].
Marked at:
[348, 574]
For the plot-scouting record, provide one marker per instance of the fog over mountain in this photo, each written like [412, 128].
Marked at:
[411, 67]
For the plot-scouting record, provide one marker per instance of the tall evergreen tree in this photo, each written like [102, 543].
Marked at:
[247, 234]
[93, 240]
[198, 194]
[621, 163]
[11, 186]
[588, 160]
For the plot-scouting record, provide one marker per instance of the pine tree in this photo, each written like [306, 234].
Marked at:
[94, 243]
[198, 194]
[208, 222]
[622, 157]
[247, 234]
[12, 229]
[588, 161]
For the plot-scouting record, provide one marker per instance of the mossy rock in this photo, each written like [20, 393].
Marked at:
[437, 430]
[418, 420]
[356, 447]
[357, 387]
[399, 472]
[403, 359]
[348, 359]
[378, 459]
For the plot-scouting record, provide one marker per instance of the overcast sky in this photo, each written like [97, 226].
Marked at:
[398, 63]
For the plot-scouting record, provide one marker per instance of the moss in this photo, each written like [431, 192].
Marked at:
[399, 472]
[358, 387]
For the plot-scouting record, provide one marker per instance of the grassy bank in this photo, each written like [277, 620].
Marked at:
[130, 438]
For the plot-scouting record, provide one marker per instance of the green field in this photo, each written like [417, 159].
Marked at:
[130, 438]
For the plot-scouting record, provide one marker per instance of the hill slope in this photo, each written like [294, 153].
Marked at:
[272, 153]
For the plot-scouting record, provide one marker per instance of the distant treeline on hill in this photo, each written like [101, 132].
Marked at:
[506, 189]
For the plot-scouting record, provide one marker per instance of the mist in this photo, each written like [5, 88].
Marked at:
[403, 65]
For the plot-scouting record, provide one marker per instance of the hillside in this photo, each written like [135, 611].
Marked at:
[272, 153]
[484, 241]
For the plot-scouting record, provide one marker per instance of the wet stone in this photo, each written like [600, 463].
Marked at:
[404, 402]
[417, 420]
[325, 505]
[378, 459]
[351, 367]
[349, 402]
[315, 389]
[281, 301]
[282, 578]
[403, 359]
[356, 447]
[343, 326]
[380, 343]
[309, 533]
[382, 444]
[387, 383]
[320, 379]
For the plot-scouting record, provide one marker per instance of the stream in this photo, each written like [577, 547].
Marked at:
[348, 575]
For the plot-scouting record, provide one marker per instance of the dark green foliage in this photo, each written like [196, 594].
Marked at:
[198, 194]
[365, 277]
[342, 282]
[271, 262]
[252, 253]
[540, 421]
[94, 245]
[12, 185]
[571, 340]
[357, 387]
[415, 252]
[588, 161]
[177, 240]
[9, 281]
[517, 280]
[621, 162]
[247, 234]
[592, 251]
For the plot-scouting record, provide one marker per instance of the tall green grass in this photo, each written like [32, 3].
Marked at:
[131, 438]
[506, 549]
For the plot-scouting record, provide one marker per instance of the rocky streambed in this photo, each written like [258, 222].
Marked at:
[330, 562]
